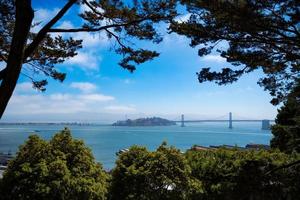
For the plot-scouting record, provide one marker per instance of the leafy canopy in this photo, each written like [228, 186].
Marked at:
[286, 131]
[140, 174]
[62, 168]
[121, 22]
[260, 34]
[23, 51]
[235, 174]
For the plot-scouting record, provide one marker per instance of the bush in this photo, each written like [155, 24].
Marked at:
[286, 131]
[234, 174]
[62, 168]
[140, 174]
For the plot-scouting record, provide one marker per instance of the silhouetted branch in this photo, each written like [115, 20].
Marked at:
[116, 37]
[2, 73]
[3, 58]
[43, 32]
[283, 167]
[73, 30]
[91, 7]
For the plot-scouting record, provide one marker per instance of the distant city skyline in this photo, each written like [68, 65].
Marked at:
[98, 90]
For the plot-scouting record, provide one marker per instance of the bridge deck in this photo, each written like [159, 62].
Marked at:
[236, 120]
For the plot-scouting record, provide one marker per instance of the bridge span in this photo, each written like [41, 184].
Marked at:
[230, 120]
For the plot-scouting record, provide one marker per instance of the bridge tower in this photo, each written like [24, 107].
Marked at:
[230, 120]
[182, 120]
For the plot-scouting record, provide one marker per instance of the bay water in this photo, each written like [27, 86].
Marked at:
[106, 140]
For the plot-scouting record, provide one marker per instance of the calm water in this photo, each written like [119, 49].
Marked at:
[105, 141]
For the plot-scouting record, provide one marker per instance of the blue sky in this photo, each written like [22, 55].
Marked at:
[98, 90]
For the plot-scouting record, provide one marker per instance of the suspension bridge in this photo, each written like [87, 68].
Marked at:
[265, 123]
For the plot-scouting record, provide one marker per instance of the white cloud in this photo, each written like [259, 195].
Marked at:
[66, 25]
[175, 41]
[213, 58]
[91, 40]
[84, 86]
[24, 87]
[119, 108]
[60, 97]
[183, 18]
[85, 60]
[57, 103]
[42, 16]
[84, 7]
[96, 97]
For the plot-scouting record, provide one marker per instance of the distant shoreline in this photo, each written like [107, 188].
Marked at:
[55, 123]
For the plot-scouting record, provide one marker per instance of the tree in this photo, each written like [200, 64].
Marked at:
[21, 49]
[235, 174]
[286, 131]
[140, 174]
[260, 34]
[62, 168]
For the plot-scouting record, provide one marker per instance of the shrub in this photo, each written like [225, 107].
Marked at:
[62, 168]
[140, 174]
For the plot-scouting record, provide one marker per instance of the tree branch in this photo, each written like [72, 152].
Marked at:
[92, 8]
[2, 73]
[42, 33]
[283, 167]
[116, 37]
[73, 30]
[24, 16]
[3, 58]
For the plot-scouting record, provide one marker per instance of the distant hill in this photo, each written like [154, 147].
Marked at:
[153, 121]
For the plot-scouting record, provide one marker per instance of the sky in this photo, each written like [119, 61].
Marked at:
[98, 90]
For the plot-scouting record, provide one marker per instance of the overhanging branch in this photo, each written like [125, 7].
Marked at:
[91, 7]
[2, 73]
[74, 30]
[116, 37]
[42, 33]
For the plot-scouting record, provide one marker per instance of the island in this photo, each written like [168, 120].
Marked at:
[153, 121]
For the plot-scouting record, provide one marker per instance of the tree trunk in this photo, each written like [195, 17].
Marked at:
[24, 16]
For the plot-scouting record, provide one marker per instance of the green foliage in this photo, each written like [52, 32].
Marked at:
[234, 174]
[140, 174]
[62, 168]
[260, 34]
[209, 175]
[122, 21]
[286, 131]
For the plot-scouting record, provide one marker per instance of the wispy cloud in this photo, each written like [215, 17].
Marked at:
[213, 58]
[57, 103]
[66, 25]
[96, 97]
[24, 87]
[120, 109]
[85, 60]
[84, 86]
[42, 16]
